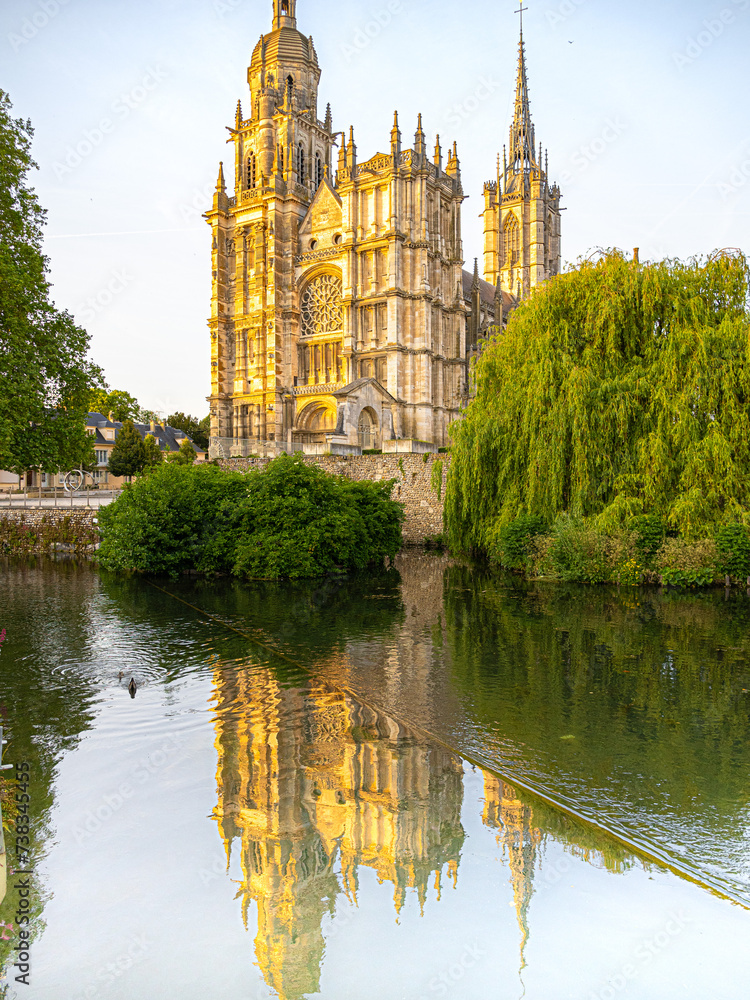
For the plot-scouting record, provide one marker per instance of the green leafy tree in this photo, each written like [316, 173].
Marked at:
[197, 430]
[129, 455]
[154, 454]
[185, 456]
[45, 376]
[120, 404]
[618, 391]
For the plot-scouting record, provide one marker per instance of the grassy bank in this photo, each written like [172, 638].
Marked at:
[642, 552]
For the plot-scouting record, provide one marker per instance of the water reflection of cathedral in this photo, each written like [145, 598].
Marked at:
[314, 786]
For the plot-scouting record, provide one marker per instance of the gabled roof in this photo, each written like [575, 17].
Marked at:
[325, 198]
[360, 383]
[170, 438]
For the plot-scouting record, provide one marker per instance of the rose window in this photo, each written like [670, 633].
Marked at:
[321, 306]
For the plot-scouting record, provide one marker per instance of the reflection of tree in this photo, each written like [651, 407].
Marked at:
[45, 697]
[308, 619]
[312, 783]
[637, 698]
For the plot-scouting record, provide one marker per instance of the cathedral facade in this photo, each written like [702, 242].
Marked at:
[342, 317]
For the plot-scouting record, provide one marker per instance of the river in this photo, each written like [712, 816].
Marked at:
[432, 781]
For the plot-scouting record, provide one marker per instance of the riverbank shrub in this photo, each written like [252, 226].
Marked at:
[618, 391]
[684, 563]
[289, 521]
[513, 545]
[733, 544]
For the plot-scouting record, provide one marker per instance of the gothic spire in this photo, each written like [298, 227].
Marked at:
[395, 137]
[522, 154]
[420, 146]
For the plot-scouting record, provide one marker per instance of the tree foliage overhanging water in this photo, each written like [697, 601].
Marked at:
[618, 390]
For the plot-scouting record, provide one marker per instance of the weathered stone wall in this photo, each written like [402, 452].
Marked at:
[49, 531]
[413, 488]
[33, 516]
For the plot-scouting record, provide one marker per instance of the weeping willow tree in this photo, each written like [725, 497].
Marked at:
[617, 390]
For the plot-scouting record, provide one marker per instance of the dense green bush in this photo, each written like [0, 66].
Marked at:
[650, 530]
[688, 564]
[289, 521]
[580, 553]
[514, 541]
[177, 518]
[733, 544]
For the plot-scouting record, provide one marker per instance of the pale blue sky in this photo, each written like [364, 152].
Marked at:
[643, 105]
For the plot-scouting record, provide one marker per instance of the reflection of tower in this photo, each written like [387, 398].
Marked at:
[504, 811]
[285, 867]
[307, 775]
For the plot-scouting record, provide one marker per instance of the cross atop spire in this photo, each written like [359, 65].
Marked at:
[522, 140]
[521, 11]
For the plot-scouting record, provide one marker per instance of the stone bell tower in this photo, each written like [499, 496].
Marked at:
[282, 151]
[521, 208]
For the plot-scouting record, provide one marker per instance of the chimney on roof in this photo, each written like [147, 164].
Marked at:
[637, 255]
[111, 417]
[152, 425]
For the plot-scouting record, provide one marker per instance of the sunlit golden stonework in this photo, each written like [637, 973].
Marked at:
[342, 318]
[315, 786]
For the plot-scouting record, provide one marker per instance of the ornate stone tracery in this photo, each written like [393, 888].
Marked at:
[321, 308]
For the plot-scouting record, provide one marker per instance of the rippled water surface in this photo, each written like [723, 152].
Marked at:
[325, 790]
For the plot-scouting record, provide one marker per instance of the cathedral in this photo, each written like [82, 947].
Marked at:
[342, 319]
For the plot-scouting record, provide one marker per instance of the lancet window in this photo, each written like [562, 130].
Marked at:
[511, 236]
[251, 171]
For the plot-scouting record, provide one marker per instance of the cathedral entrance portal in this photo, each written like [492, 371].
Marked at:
[315, 421]
[368, 429]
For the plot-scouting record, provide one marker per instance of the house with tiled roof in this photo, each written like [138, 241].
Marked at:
[106, 430]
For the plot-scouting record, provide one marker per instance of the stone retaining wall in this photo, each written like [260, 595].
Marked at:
[34, 516]
[57, 531]
[422, 506]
